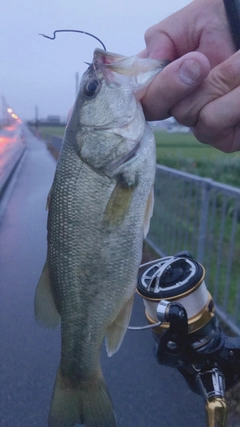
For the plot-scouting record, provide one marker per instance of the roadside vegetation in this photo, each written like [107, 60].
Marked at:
[182, 151]
[46, 131]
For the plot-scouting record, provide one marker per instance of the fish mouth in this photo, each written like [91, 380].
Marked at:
[116, 166]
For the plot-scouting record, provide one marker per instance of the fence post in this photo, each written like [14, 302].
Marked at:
[203, 220]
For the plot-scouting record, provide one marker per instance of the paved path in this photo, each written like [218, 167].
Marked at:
[144, 394]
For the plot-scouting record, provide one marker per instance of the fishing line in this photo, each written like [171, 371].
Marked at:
[142, 328]
[73, 31]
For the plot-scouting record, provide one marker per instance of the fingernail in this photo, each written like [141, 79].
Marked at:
[189, 72]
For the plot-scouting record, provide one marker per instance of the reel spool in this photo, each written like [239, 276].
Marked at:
[176, 279]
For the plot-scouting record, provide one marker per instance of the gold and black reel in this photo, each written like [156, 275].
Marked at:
[187, 332]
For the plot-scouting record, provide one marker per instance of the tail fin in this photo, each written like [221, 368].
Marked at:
[88, 404]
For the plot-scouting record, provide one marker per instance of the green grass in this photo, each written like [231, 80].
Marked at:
[184, 152]
[51, 130]
[183, 145]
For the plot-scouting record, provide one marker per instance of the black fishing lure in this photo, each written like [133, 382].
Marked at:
[73, 31]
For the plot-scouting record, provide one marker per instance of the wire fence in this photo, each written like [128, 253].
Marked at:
[203, 217]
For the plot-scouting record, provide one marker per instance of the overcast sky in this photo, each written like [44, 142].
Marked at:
[35, 71]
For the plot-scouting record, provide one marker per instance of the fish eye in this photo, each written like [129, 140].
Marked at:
[91, 87]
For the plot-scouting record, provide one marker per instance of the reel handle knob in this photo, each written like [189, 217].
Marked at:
[216, 409]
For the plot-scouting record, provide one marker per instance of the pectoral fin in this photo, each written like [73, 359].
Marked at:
[118, 205]
[44, 307]
[117, 330]
[148, 213]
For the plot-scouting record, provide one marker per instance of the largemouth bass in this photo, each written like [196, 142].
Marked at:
[100, 206]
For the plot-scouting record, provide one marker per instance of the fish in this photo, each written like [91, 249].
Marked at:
[99, 210]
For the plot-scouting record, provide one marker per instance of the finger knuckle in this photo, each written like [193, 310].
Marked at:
[208, 120]
[183, 115]
[224, 79]
[150, 34]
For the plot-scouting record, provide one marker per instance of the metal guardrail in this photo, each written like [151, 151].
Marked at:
[202, 216]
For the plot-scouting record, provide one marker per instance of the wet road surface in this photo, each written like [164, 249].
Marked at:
[143, 393]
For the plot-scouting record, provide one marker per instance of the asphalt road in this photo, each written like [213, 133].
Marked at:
[144, 394]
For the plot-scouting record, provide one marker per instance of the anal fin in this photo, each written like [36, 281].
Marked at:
[117, 330]
[44, 307]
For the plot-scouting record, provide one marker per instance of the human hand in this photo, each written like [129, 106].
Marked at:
[213, 109]
[202, 27]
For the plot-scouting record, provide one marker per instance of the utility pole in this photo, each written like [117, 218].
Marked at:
[36, 121]
[36, 116]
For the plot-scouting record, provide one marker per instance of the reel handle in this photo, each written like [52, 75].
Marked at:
[174, 350]
[211, 383]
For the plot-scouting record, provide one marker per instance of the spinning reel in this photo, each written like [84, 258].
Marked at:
[188, 335]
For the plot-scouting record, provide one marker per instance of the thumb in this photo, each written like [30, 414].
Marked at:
[173, 84]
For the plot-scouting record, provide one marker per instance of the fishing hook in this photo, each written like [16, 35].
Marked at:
[73, 31]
